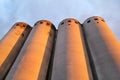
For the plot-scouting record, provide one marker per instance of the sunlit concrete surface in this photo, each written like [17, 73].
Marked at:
[32, 63]
[69, 59]
[10, 46]
[75, 51]
[104, 48]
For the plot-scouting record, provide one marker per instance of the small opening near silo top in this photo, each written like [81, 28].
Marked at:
[47, 23]
[69, 20]
[17, 24]
[62, 23]
[23, 25]
[103, 20]
[95, 18]
[41, 22]
[88, 21]
[76, 22]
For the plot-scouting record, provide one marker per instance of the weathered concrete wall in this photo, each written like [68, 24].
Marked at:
[10, 46]
[32, 63]
[104, 48]
[69, 59]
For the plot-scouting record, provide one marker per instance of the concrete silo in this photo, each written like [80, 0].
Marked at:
[104, 49]
[10, 46]
[32, 63]
[70, 62]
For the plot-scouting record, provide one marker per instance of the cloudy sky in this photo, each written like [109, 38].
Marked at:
[30, 11]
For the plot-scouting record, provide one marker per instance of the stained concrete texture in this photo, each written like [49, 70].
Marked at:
[69, 59]
[104, 48]
[32, 63]
[10, 46]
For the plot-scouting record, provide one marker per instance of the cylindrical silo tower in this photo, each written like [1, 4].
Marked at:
[70, 60]
[104, 49]
[10, 46]
[32, 63]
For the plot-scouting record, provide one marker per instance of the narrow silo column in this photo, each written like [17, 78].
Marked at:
[70, 55]
[10, 46]
[104, 49]
[32, 63]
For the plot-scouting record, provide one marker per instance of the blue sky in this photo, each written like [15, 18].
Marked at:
[30, 11]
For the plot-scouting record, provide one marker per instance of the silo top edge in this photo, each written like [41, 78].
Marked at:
[68, 20]
[22, 24]
[48, 23]
[93, 17]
